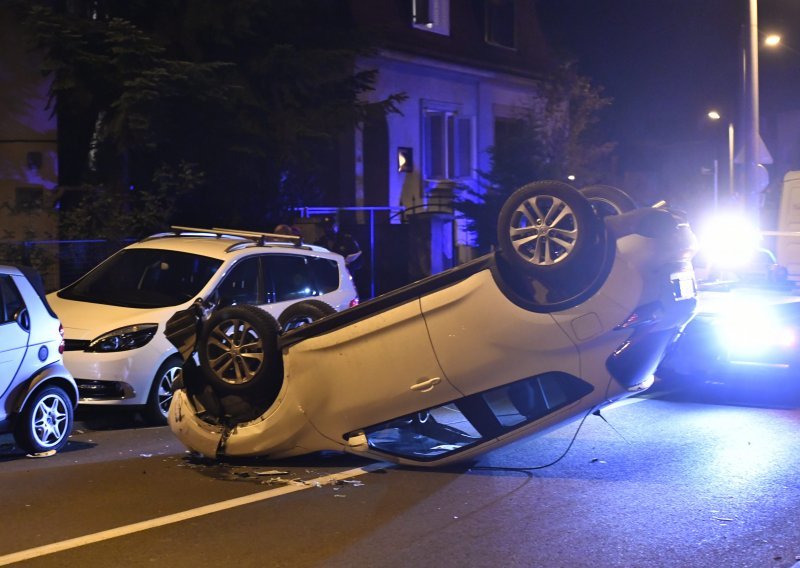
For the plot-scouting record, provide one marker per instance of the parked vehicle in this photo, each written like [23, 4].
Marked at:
[114, 316]
[788, 234]
[747, 327]
[573, 312]
[37, 393]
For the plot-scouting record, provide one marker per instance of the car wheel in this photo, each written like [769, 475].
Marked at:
[608, 200]
[238, 350]
[45, 422]
[157, 408]
[303, 313]
[545, 228]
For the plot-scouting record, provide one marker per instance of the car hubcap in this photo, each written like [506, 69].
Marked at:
[543, 230]
[164, 394]
[50, 421]
[235, 351]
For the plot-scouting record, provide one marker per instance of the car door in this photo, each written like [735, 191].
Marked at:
[376, 369]
[241, 284]
[13, 335]
[482, 340]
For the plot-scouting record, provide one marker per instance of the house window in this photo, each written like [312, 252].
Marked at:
[447, 144]
[432, 15]
[500, 23]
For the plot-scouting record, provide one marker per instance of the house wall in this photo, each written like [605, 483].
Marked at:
[28, 148]
[481, 95]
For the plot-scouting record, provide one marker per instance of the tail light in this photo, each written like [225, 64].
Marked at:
[642, 315]
[61, 345]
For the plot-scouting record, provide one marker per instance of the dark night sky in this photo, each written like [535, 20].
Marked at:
[667, 62]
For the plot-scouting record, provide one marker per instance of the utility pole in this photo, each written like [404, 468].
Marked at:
[751, 191]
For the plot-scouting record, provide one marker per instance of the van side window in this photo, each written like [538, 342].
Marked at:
[240, 285]
[290, 276]
[326, 273]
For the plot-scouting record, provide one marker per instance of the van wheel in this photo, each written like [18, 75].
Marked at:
[302, 313]
[44, 425]
[157, 408]
[238, 350]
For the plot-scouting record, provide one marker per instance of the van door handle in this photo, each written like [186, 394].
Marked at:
[426, 386]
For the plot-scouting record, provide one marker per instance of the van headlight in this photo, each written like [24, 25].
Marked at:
[124, 338]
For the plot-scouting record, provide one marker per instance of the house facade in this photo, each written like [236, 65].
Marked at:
[466, 68]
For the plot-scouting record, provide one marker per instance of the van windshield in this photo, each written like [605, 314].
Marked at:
[144, 278]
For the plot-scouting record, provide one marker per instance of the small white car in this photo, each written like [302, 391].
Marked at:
[37, 393]
[114, 315]
[574, 311]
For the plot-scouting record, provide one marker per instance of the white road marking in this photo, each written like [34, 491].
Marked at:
[185, 515]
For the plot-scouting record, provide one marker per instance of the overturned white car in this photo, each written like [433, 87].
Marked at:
[574, 311]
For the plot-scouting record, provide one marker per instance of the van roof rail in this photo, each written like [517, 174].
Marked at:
[258, 237]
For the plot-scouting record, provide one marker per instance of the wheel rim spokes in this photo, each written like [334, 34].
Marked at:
[235, 351]
[164, 394]
[543, 230]
[50, 421]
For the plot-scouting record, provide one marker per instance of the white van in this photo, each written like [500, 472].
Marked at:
[787, 247]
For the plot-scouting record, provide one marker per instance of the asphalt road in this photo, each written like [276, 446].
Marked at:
[684, 478]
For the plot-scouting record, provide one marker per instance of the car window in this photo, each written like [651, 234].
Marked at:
[326, 274]
[450, 428]
[240, 285]
[144, 278]
[10, 298]
[290, 277]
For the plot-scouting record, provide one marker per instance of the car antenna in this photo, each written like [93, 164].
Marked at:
[597, 413]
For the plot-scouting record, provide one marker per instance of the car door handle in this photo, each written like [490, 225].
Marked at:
[426, 386]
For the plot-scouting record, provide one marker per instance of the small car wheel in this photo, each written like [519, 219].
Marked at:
[45, 422]
[238, 350]
[157, 408]
[303, 313]
[545, 228]
[608, 200]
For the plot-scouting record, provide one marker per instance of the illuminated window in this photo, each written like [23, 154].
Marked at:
[500, 23]
[432, 15]
[447, 144]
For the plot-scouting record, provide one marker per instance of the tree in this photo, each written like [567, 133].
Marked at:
[549, 140]
[232, 102]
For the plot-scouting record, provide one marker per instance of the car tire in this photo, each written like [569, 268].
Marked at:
[302, 313]
[45, 423]
[546, 228]
[238, 350]
[608, 200]
[156, 409]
